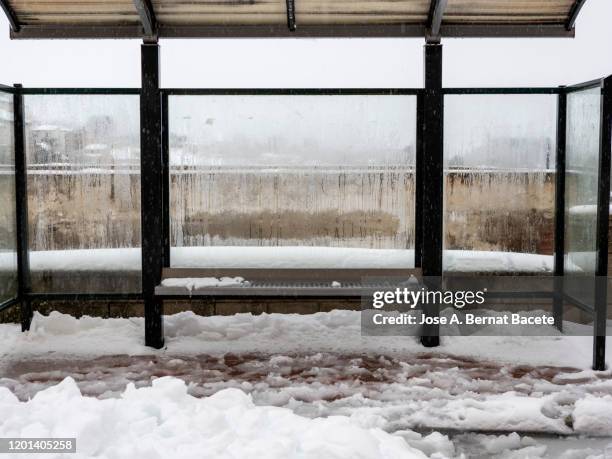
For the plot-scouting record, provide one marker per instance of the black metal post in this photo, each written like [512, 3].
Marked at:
[560, 209]
[291, 15]
[433, 179]
[603, 218]
[166, 181]
[418, 186]
[151, 177]
[21, 208]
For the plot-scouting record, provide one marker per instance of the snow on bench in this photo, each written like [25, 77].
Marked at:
[195, 283]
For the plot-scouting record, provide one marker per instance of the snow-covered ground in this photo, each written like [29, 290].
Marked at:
[164, 421]
[300, 386]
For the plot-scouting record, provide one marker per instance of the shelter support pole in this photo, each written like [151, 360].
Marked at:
[21, 209]
[560, 209]
[151, 178]
[433, 181]
[603, 218]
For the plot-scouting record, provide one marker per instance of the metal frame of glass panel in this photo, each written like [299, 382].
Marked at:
[544, 95]
[26, 296]
[390, 114]
[9, 91]
[90, 142]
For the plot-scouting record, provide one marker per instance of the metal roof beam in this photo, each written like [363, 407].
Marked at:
[434, 20]
[506, 31]
[304, 31]
[147, 18]
[573, 14]
[10, 14]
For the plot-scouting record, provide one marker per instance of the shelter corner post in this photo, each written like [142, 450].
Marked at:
[21, 209]
[603, 216]
[559, 247]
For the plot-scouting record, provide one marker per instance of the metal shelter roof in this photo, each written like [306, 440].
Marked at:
[152, 19]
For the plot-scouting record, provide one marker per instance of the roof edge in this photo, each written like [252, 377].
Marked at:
[103, 31]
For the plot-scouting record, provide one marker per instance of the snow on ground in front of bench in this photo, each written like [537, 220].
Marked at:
[319, 365]
[337, 331]
[164, 421]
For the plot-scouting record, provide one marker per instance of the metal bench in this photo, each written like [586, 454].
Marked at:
[319, 283]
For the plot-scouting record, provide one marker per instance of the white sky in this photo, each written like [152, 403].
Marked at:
[316, 63]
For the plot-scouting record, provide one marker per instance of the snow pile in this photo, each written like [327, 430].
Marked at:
[510, 446]
[342, 257]
[336, 331]
[435, 444]
[594, 415]
[507, 412]
[63, 334]
[128, 259]
[163, 421]
[195, 283]
[290, 257]
[586, 209]
[491, 261]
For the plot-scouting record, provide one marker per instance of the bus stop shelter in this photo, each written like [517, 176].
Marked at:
[432, 20]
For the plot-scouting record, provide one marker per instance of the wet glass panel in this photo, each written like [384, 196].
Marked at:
[292, 181]
[499, 161]
[83, 160]
[581, 182]
[8, 231]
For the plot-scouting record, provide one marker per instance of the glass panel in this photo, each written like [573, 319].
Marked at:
[286, 174]
[83, 159]
[8, 230]
[499, 159]
[581, 182]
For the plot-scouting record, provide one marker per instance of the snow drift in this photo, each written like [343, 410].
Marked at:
[163, 421]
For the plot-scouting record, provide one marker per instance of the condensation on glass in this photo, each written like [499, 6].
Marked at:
[83, 163]
[499, 161]
[8, 232]
[581, 183]
[292, 171]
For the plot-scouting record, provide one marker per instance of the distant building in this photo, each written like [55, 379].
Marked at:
[510, 152]
[52, 144]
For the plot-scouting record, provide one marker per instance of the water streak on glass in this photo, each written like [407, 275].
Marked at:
[499, 161]
[581, 183]
[272, 171]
